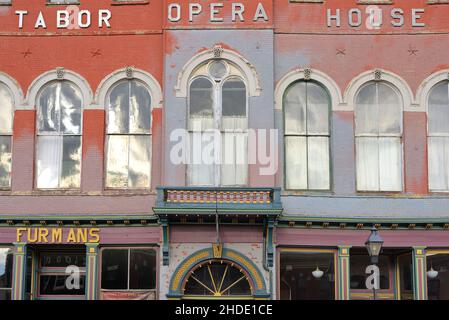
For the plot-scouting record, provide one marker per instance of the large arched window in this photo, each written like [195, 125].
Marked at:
[378, 121]
[6, 124]
[306, 132]
[438, 137]
[128, 136]
[218, 124]
[59, 129]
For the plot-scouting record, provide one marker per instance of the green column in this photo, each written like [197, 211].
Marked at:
[343, 276]
[91, 271]
[419, 273]
[19, 273]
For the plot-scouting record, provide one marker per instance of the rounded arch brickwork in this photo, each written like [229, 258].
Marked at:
[248, 70]
[129, 73]
[14, 88]
[307, 74]
[380, 75]
[58, 74]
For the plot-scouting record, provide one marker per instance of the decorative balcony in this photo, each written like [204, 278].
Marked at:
[204, 203]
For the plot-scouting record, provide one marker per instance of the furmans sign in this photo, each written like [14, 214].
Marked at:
[58, 235]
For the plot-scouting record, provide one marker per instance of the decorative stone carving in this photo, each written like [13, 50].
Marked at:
[218, 51]
[307, 74]
[378, 75]
[60, 72]
[129, 72]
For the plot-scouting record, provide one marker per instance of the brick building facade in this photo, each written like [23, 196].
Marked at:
[338, 111]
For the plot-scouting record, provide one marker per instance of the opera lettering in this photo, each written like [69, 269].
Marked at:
[237, 12]
[58, 235]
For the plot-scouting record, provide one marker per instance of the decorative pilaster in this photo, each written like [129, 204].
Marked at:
[343, 283]
[91, 271]
[419, 273]
[165, 242]
[19, 267]
[269, 250]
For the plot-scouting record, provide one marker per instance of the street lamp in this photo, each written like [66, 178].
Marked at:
[374, 246]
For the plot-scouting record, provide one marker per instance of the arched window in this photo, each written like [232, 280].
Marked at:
[306, 130]
[128, 136]
[378, 132]
[59, 129]
[438, 137]
[218, 124]
[6, 124]
[220, 279]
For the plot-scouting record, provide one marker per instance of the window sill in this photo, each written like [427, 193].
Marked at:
[130, 3]
[62, 4]
[374, 2]
[130, 192]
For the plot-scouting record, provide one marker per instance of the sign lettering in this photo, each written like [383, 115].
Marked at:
[58, 235]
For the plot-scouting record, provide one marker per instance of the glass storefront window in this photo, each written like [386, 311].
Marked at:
[6, 263]
[299, 279]
[128, 269]
[54, 278]
[438, 276]
[359, 276]
[52, 285]
[57, 259]
[406, 276]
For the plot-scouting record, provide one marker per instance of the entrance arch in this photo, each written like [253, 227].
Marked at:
[202, 275]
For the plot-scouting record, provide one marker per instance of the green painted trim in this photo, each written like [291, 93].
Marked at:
[284, 218]
[19, 271]
[343, 288]
[92, 280]
[419, 279]
[78, 217]
[180, 209]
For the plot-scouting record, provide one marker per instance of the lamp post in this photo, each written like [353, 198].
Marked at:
[374, 246]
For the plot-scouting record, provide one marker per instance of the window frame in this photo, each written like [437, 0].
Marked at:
[55, 271]
[367, 293]
[379, 135]
[307, 135]
[313, 250]
[107, 135]
[129, 248]
[62, 135]
[6, 246]
[434, 135]
[10, 134]
[217, 112]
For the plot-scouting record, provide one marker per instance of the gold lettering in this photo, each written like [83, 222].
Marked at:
[56, 235]
[19, 233]
[94, 235]
[82, 235]
[71, 237]
[43, 234]
[32, 239]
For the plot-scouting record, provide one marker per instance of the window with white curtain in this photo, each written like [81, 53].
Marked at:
[59, 129]
[6, 124]
[129, 136]
[307, 134]
[218, 123]
[438, 137]
[378, 132]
